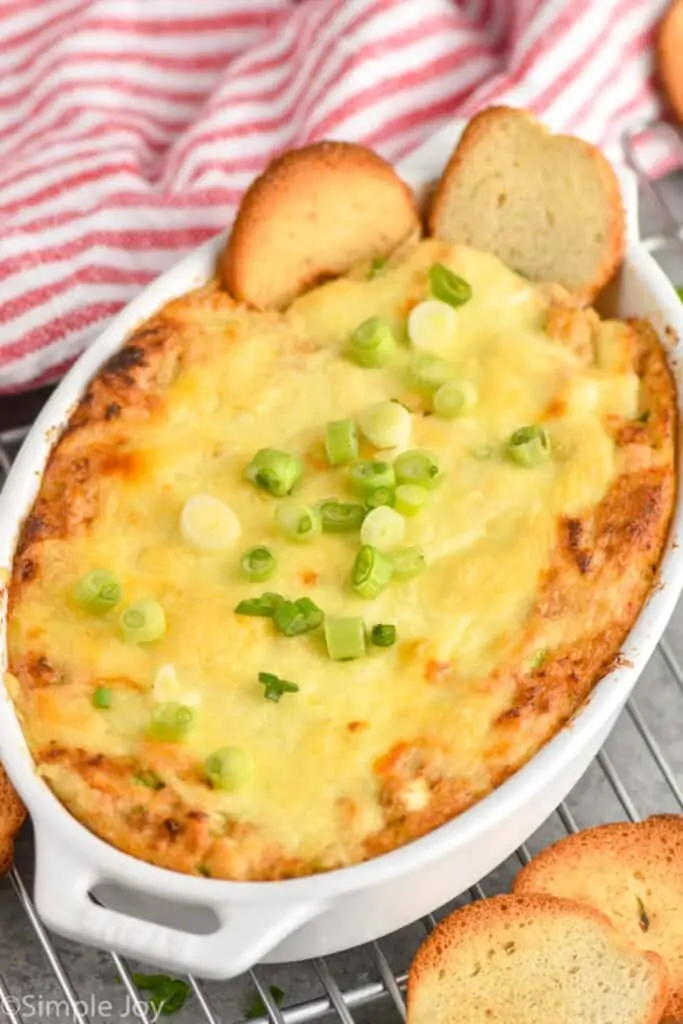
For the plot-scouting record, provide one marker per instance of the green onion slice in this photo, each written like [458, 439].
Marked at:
[371, 572]
[456, 398]
[410, 499]
[102, 697]
[366, 477]
[299, 522]
[274, 471]
[142, 623]
[429, 373]
[373, 344]
[381, 496]
[376, 267]
[276, 687]
[98, 591]
[408, 564]
[345, 638]
[264, 606]
[341, 442]
[383, 528]
[340, 516]
[529, 446]
[258, 564]
[386, 424]
[229, 768]
[416, 467]
[383, 635]
[171, 722]
[447, 286]
[293, 618]
[538, 658]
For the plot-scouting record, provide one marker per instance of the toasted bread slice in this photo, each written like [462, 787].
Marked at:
[313, 214]
[533, 960]
[547, 205]
[632, 873]
[669, 49]
[12, 815]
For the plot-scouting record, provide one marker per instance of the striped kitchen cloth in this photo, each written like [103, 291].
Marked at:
[130, 128]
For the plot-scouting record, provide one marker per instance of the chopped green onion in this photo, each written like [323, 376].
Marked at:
[383, 528]
[367, 476]
[171, 722]
[373, 344]
[340, 516]
[258, 564]
[265, 606]
[371, 572]
[97, 592]
[416, 467]
[456, 398]
[529, 446]
[341, 442]
[429, 373]
[146, 777]
[381, 496]
[410, 499]
[345, 638]
[386, 424]
[298, 522]
[101, 698]
[229, 768]
[209, 524]
[383, 635]
[432, 326]
[447, 286]
[142, 623]
[376, 267]
[538, 657]
[275, 687]
[679, 292]
[275, 471]
[408, 563]
[295, 617]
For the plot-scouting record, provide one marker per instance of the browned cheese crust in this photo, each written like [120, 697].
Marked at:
[603, 569]
[312, 215]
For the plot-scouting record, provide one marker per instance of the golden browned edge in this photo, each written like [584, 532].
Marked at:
[485, 122]
[12, 817]
[653, 847]
[669, 47]
[597, 553]
[309, 188]
[482, 916]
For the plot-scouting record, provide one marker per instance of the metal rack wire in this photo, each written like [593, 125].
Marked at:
[367, 986]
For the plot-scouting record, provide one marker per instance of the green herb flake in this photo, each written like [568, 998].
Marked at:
[166, 995]
[538, 658]
[679, 291]
[257, 1008]
[148, 778]
[643, 919]
[275, 687]
[376, 267]
[644, 416]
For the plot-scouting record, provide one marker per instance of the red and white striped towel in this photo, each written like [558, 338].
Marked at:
[130, 128]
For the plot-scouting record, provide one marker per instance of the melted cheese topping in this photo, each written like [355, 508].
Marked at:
[252, 380]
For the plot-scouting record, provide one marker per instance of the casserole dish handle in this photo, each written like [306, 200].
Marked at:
[245, 933]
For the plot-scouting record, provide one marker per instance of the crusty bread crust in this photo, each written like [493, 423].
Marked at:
[12, 816]
[669, 49]
[490, 204]
[498, 922]
[631, 872]
[312, 215]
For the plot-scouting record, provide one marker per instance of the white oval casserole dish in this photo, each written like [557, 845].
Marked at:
[217, 929]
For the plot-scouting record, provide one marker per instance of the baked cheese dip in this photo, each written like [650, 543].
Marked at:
[300, 587]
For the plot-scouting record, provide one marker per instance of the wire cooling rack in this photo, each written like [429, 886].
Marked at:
[45, 977]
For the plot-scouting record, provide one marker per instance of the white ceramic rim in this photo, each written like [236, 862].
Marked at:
[48, 812]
